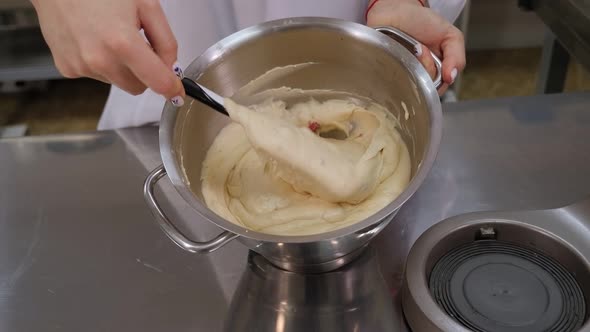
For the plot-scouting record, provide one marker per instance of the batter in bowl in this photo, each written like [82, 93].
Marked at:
[305, 169]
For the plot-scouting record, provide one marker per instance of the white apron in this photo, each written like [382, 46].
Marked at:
[198, 24]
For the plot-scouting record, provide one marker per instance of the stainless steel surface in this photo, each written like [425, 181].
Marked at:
[343, 56]
[561, 233]
[24, 55]
[13, 131]
[168, 227]
[79, 250]
[354, 298]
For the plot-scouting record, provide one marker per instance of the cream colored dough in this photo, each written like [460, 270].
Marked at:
[269, 172]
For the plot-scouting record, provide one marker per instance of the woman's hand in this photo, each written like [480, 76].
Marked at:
[433, 31]
[101, 39]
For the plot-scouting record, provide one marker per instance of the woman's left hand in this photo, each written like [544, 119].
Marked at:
[433, 31]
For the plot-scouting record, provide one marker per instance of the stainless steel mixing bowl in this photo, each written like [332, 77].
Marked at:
[344, 56]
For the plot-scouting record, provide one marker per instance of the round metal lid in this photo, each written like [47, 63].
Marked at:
[491, 285]
[501, 272]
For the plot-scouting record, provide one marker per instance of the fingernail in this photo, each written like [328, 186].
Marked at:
[453, 75]
[177, 101]
[177, 70]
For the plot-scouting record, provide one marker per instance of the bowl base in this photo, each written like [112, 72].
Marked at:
[321, 267]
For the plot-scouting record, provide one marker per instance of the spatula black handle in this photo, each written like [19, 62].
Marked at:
[195, 91]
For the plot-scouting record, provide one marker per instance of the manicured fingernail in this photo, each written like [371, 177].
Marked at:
[453, 75]
[177, 101]
[177, 70]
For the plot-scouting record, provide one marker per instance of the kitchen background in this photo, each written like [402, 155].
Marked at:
[504, 51]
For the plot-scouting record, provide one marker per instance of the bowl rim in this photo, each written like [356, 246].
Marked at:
[213, 53]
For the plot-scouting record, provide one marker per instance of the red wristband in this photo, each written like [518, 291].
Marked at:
[369, 8]
[375, 1]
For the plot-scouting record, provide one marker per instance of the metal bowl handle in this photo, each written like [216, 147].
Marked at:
[413, 46]
[168, 227]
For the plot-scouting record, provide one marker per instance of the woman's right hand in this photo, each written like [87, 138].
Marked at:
[102, 40]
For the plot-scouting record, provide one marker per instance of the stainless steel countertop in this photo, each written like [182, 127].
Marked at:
[79, 250]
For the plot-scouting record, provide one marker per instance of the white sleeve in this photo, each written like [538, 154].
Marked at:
[449, 9]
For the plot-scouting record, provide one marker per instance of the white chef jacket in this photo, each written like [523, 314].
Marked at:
[198, 24]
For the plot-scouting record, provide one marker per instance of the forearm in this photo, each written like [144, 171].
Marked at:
[449, 9]
[424, 3]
